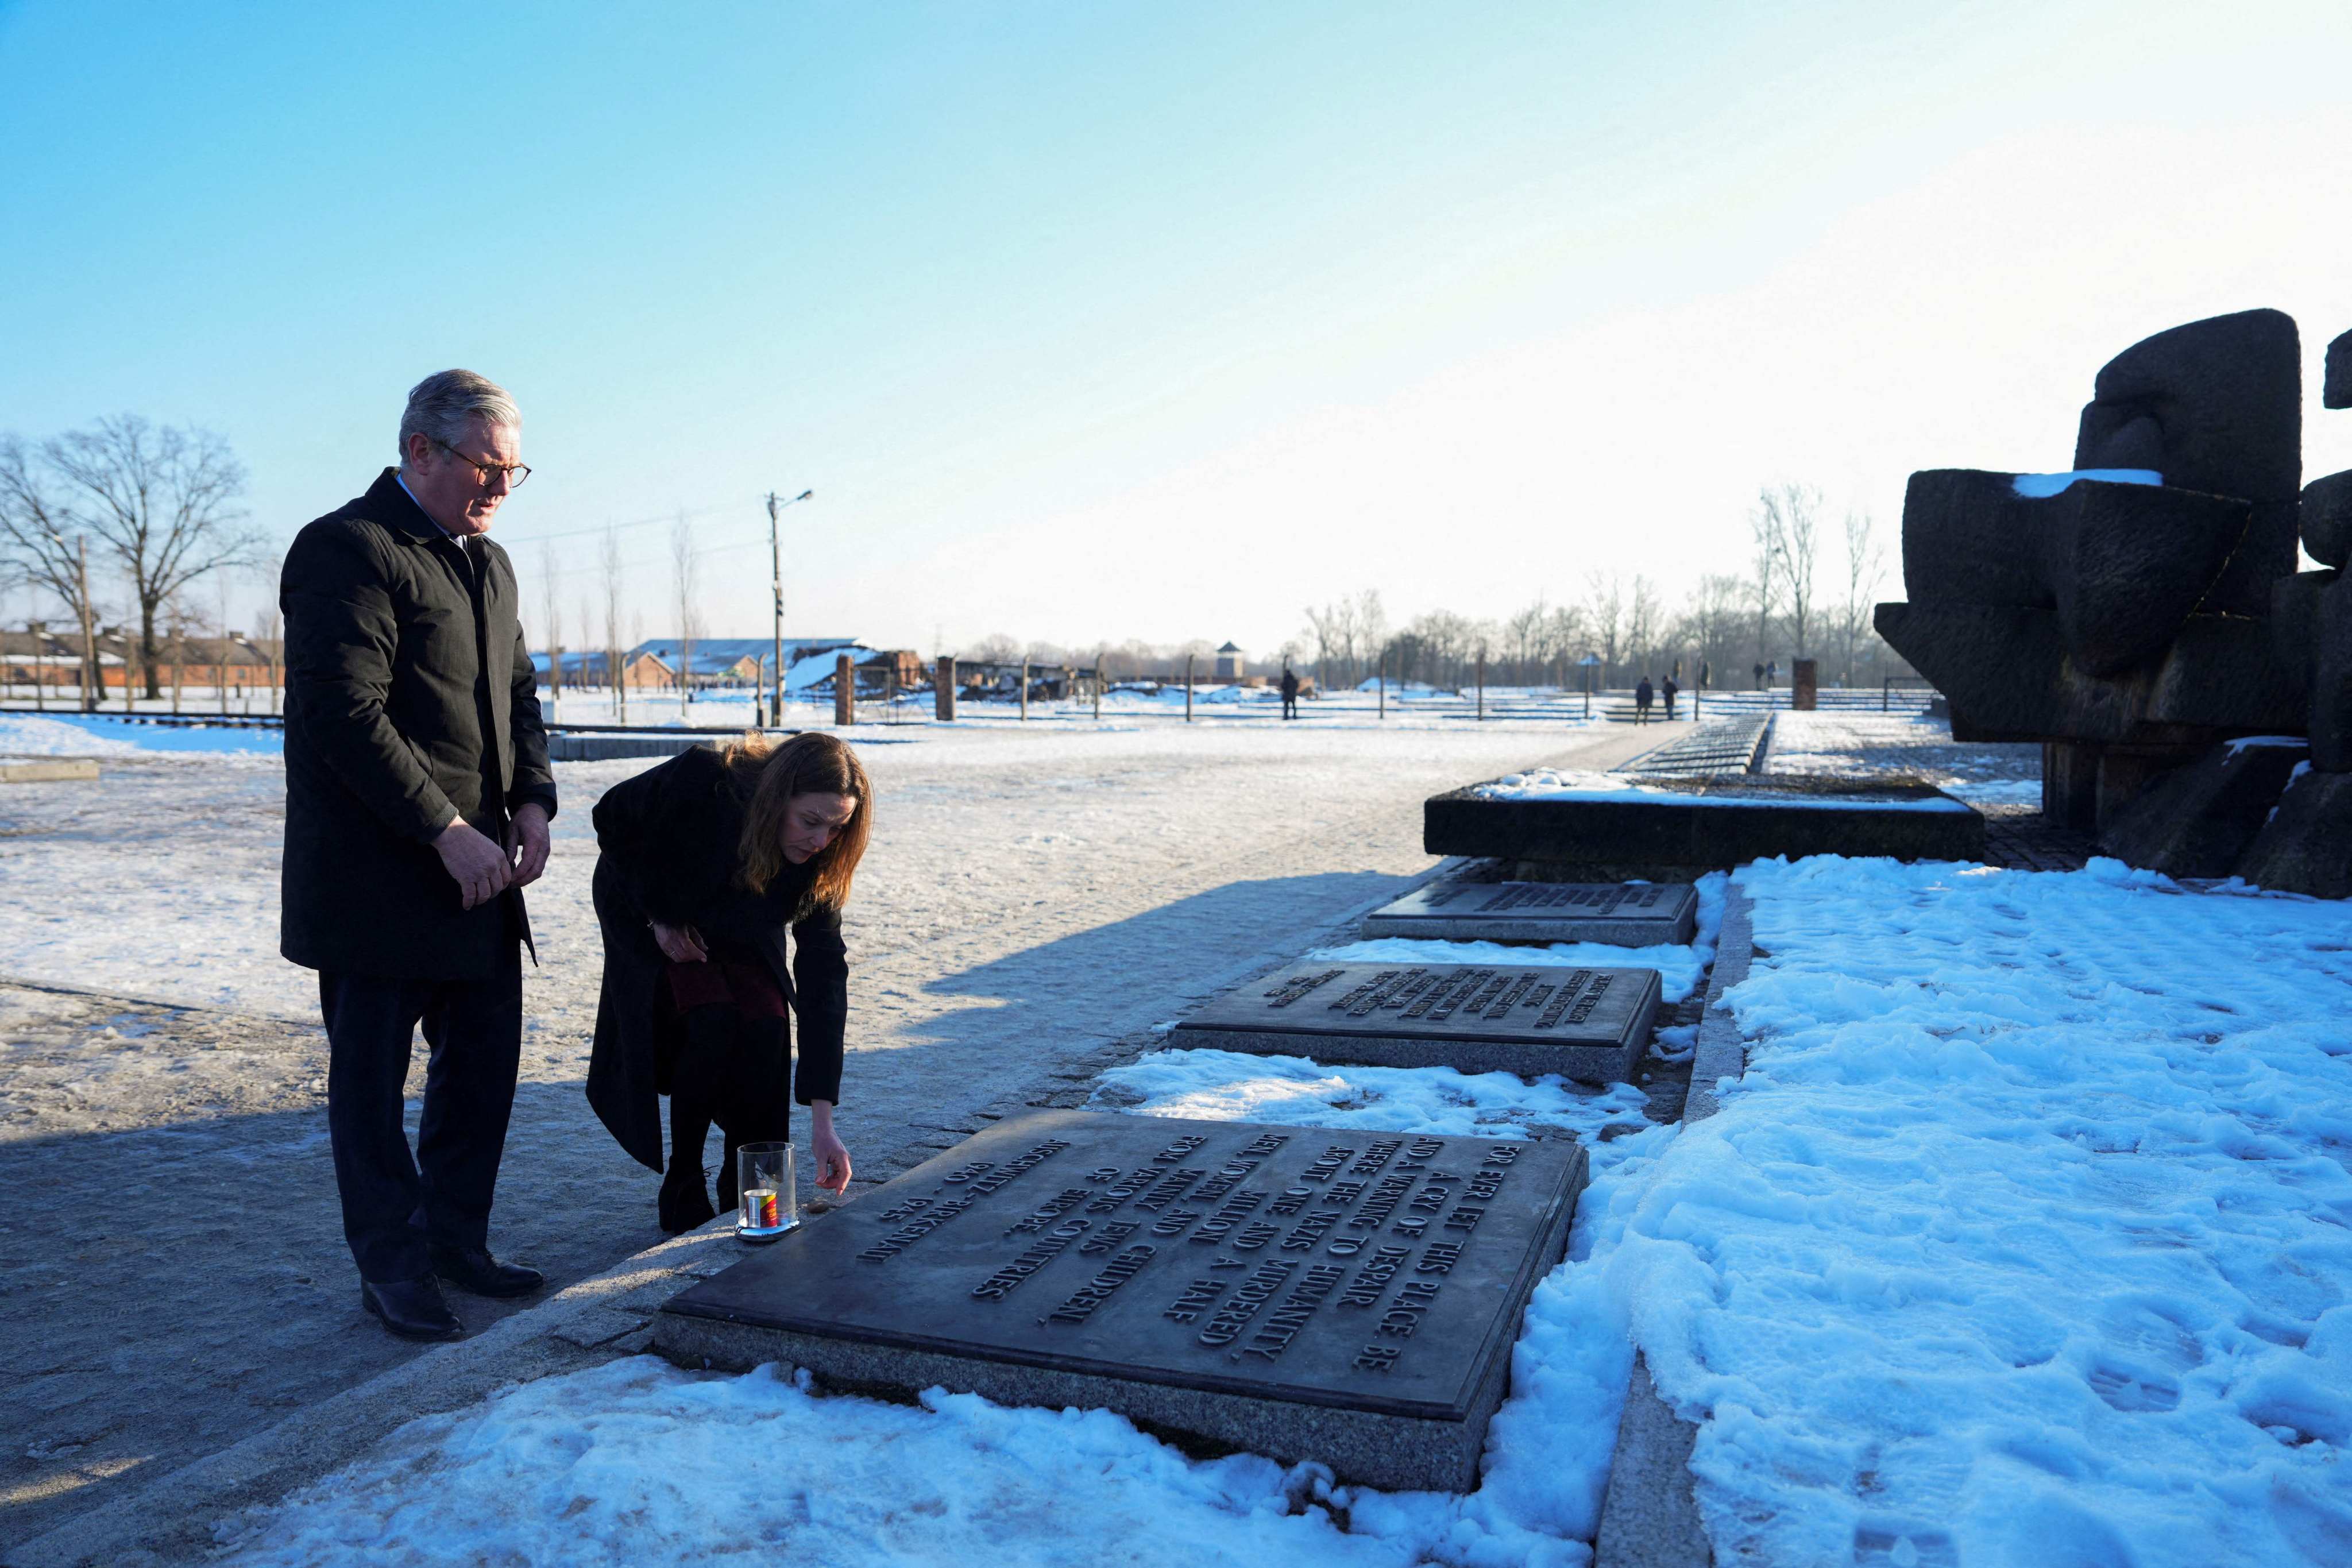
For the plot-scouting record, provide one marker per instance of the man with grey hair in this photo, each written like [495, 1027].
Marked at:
[417, 799]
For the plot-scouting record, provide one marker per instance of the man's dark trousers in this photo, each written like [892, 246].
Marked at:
[398, 1208]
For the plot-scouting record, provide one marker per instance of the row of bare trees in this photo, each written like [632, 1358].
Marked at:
[152, 507]
[1785, 606]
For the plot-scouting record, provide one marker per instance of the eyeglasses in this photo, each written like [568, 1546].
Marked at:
[515, 472]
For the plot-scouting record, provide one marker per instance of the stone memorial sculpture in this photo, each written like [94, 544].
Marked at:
[2141, 615]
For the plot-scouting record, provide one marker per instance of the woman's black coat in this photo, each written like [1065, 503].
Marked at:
[669, 840]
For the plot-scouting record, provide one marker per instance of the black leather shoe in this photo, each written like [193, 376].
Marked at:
[483, 1274]
[413, 1308]
[683, 1204]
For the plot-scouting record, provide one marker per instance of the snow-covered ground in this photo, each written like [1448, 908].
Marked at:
[1032, 896]
[1865, 743]
[639, 1462]
[2026, 1238]
[104, 735]
[2024, 1241]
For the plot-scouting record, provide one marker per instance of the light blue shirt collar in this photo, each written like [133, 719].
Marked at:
[402, 481]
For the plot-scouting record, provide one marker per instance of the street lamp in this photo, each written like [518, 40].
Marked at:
[776, 582]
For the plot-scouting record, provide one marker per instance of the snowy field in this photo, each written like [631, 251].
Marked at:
[2023, 1242]
[1033, 895]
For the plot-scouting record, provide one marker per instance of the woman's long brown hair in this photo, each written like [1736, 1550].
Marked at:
[811, 764]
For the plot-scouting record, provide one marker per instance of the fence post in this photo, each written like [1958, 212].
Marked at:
[1025, 690]
[1187, 689]
[844, 690]
[1886, 692]
[943, 690]
[1482, 685]
[1384, 683]
[1098, 679]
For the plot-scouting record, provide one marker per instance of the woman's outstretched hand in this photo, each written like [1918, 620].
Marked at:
[832, 1158]
[680, 944]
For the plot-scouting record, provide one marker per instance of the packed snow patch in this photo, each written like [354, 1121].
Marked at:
[1558, 783]
[99, 735]
[2027, 1236]
[2039, 487]
[30, 735]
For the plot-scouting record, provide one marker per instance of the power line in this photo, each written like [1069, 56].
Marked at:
[606, 527]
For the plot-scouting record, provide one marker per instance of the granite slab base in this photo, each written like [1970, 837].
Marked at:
[1620, 914]
[1589, 1025]
[1705, 824]
[1347, 1297]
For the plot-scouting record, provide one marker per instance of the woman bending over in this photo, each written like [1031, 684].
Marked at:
[707, 859]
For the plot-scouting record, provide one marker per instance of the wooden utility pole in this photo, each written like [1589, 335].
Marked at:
[89, 637]
[776, 588]
[1098, 680]
[943, 690]
[1482, 685]
[1025, 692]
[1385, 682]
[1187, 689]
[844, 690]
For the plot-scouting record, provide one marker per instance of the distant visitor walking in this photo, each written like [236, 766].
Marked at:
[1289, 692]
[1668, 691]
[1643, 695]
[417, 799]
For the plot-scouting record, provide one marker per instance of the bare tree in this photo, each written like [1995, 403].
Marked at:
[1641, 628]
[36, 545]
[1760, 586]
[1324, 627]
[1788, 527]
[681, 556]
[162, 498]
[1524, 634]
[1371, 635]
[996, 648]
[615, 583]
[1604, 616]
[1713, 620]
[1865, 563]
[1563, 633]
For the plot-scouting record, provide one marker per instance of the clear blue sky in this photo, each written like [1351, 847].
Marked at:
[1090, 322]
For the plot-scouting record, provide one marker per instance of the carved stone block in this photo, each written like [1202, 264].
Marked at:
[1626, 914]
[1591, 1024]
[2331, 681]
[1347, 1297]
[2327, 519]
[2307, 848]
[1673, 825]
[2214, 405]
[2198, 820]
[2009, 678]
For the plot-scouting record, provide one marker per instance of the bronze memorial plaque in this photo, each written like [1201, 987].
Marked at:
[1350, 1297]
[1622, 914]
[1591, 1024]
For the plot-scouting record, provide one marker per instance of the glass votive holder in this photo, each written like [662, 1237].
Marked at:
[764, 1175]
